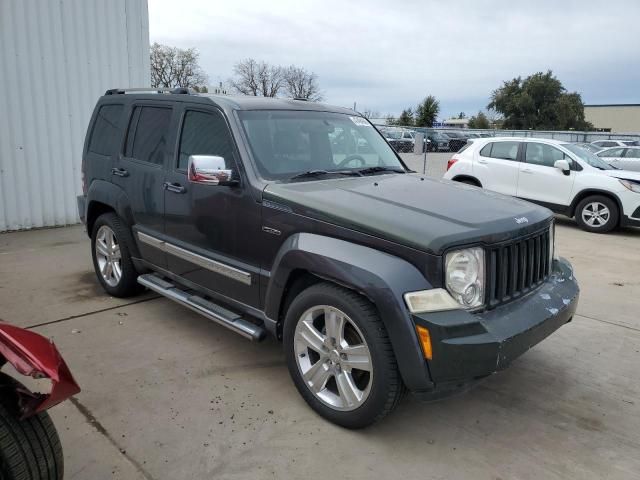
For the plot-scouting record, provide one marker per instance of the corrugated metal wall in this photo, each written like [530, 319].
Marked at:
[56, 58]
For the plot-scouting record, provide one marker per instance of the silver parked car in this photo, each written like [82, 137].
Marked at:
[624, 158]
[615, 143]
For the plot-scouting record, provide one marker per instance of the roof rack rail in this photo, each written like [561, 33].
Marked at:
[301, 99]
[173, 90]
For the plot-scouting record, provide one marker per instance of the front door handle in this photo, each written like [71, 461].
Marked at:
[482, 161]
[121, 172]
[174, 187]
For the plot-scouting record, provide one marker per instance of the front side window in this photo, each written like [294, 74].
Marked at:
[204, 134]
[588, 157]
[285, 143]
[543, 154]
[501, 150]
[612, 152]
[105, 137]
[148, 134]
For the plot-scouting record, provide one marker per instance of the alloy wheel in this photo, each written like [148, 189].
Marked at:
[333, 358]
[596, 214]
[108, 256]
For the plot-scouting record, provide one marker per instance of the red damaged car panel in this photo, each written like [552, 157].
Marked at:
[35, 356]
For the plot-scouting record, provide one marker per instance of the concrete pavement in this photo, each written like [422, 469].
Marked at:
[170, 395]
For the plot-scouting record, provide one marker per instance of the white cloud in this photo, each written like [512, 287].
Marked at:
[388, 55]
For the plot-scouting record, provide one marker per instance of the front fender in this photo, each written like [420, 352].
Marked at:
[35, 356]
[381, 277]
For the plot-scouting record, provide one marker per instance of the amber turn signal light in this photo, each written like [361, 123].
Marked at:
[425, 341]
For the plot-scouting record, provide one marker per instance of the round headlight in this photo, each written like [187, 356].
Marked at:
[464, 275]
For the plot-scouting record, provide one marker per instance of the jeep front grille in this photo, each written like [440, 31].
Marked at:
[516, 268]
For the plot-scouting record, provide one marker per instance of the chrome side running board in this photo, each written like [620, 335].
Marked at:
[204, 307]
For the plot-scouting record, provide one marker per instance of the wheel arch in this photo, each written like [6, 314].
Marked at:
[305, 259]
[593, 192]
[461, 178]
[104, 197]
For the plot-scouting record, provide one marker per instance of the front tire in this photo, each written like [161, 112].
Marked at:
[597, 214]
[340, 357]
[111, 246]
[29, 449]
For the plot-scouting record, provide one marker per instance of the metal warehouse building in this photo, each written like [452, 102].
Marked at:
[56, 59]
[620, 118]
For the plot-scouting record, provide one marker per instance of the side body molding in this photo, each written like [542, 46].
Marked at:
[381, 277]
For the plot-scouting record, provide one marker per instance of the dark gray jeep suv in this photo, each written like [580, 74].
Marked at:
[299, 220]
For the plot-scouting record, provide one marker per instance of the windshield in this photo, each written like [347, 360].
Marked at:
[588, 157]
[285, 143]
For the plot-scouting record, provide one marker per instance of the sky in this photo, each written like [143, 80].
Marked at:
[388, 55]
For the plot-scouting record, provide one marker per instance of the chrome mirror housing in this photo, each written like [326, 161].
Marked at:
[209, 170]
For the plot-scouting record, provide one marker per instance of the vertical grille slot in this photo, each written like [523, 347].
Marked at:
[515, 268]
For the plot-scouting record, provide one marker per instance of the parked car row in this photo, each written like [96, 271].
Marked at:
[403, 139]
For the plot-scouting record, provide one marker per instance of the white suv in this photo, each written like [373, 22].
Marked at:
[561, 176]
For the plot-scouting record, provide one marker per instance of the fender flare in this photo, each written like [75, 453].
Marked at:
[381, 277]
[111, 195]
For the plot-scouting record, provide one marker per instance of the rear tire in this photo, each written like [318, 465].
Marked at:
[597, 214]
[111, 247]
[29, 449]
[356, 374]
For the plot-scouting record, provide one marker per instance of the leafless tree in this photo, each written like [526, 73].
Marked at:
[367, 113]
[299, 83]
[257, 78]
[176, 67]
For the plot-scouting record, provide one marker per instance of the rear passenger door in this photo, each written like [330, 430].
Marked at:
[496, 166]
[540, 180]
[140, 172]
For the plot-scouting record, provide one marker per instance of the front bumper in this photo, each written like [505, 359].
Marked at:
[469, 346]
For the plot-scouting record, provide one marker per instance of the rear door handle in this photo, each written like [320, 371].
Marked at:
[526, 170]
[121, 172]
[174, 187]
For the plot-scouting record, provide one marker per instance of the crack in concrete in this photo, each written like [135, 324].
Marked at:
[628, 327]
[95, 423]
[80, 315]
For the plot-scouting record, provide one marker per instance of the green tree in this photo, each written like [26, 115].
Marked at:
[406, 118]
[427, 112]
[462, 115]
[539, 102]
[479, 121]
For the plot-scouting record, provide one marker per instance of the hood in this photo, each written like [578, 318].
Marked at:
[412, 210]
[624, 174]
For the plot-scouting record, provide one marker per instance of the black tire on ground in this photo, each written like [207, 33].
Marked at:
[387, 388]
[585, 207]
[128, 285]
[29, 449]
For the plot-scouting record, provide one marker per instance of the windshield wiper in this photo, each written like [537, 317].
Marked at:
[370, 170]
[318, 173]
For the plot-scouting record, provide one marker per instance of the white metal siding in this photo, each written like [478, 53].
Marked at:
[56, 59]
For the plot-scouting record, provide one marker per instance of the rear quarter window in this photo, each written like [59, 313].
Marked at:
[501, 150]
[106, 132]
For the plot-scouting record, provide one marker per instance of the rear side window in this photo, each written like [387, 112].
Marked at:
[543, 154]
[501, 150]
[105, 136]
[632, 153]
[148, 134]
[204, 134]
[614, 152]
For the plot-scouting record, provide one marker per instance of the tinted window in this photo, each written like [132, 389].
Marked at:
[204, 134]
[614, 152]
[105, 138]
[632, 153]
[542, 154]
[150, 129]
[501, 150]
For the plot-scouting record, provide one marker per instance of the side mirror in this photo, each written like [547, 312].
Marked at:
[209, 170]
[563, 165]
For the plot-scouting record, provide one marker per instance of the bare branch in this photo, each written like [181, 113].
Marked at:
[176, 67]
